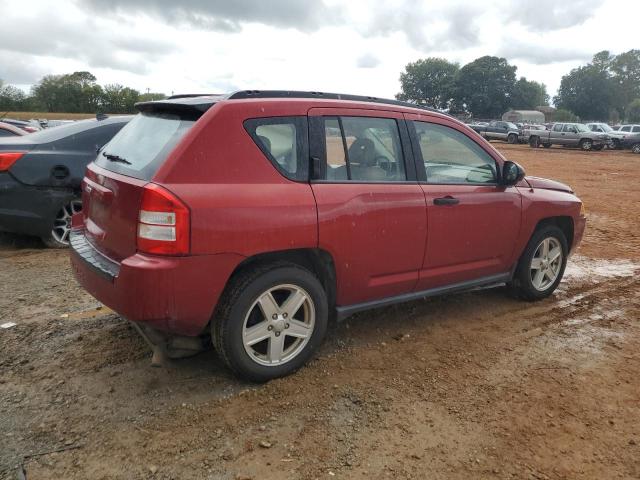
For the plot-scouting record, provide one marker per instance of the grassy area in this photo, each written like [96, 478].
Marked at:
[47, 115]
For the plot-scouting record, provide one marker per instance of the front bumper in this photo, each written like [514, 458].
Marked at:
[579, 225]
[172, 294]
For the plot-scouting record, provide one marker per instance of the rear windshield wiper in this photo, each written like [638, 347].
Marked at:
[115, 158]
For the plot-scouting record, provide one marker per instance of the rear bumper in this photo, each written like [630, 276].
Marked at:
[27, 209]
[173, 294]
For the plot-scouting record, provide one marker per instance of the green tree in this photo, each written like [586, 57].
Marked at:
[11, 98]
[75, 92]
[529, 94]
[587, 92]
[633, 111]
[119, 99]
[625, 79]
[429, 81]
[562, 115]
[149, 97]
[485, 86]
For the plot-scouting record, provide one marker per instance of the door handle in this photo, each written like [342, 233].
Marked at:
[448, 200]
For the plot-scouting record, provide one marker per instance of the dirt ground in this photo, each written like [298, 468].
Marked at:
[476, 385]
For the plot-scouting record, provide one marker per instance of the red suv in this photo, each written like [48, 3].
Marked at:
[258, 216]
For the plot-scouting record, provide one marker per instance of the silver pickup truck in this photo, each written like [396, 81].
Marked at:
[569, 135]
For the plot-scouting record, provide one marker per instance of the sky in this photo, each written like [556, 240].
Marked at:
[355, 46]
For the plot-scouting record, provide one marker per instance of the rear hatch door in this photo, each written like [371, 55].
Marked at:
[114, 184]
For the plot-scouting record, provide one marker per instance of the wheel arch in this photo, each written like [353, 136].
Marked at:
[564, 223]
[316, 260]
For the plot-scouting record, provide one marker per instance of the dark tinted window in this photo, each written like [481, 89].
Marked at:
[450, 157]
[6, 133]
[144, 143]
[636, 129]
[283, 140]
[364, 149]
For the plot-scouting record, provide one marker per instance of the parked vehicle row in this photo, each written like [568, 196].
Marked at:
[8, 130]
[253, 218]
[498, 130]
[29, 127]
[590, 136]
[569, 135]
[617, 136]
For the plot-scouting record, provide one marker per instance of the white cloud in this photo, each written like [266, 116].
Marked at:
[353, 47]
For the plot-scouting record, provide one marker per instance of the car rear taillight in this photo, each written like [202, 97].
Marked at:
[8, 158]
[163, 223]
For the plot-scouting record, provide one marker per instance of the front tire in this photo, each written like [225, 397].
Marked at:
[512, 138]
[58, 237]
[586, 144]
[270, 321]
[635, 148]
[541, 266]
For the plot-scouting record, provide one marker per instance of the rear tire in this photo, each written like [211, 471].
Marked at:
[512, 138]
[58, 237]
[635, 148]
[270, 321]
[540, 268]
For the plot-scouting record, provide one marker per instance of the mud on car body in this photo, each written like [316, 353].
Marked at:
[255, 217]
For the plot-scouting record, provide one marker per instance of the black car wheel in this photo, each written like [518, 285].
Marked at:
[512, 138]
[59, 235]
[270, 321]
[635, 148]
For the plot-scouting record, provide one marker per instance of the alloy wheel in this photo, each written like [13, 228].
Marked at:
[278, 325]
[62, 222]
[546, 263]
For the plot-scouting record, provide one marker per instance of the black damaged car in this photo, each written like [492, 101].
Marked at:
[40, 176]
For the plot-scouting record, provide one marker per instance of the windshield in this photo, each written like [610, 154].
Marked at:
[143, 144]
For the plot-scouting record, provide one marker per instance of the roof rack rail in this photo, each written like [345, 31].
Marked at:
[244, 94]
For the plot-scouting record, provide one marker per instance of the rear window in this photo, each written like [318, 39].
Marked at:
[144, 143]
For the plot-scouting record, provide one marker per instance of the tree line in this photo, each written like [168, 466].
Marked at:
[608, 88]
[76, 92]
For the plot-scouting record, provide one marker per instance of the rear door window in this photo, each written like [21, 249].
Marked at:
[636, 129]
[283, 140]
[363, 149]
[144, 143]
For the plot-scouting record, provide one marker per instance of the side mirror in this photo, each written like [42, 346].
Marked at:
[512, 173]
